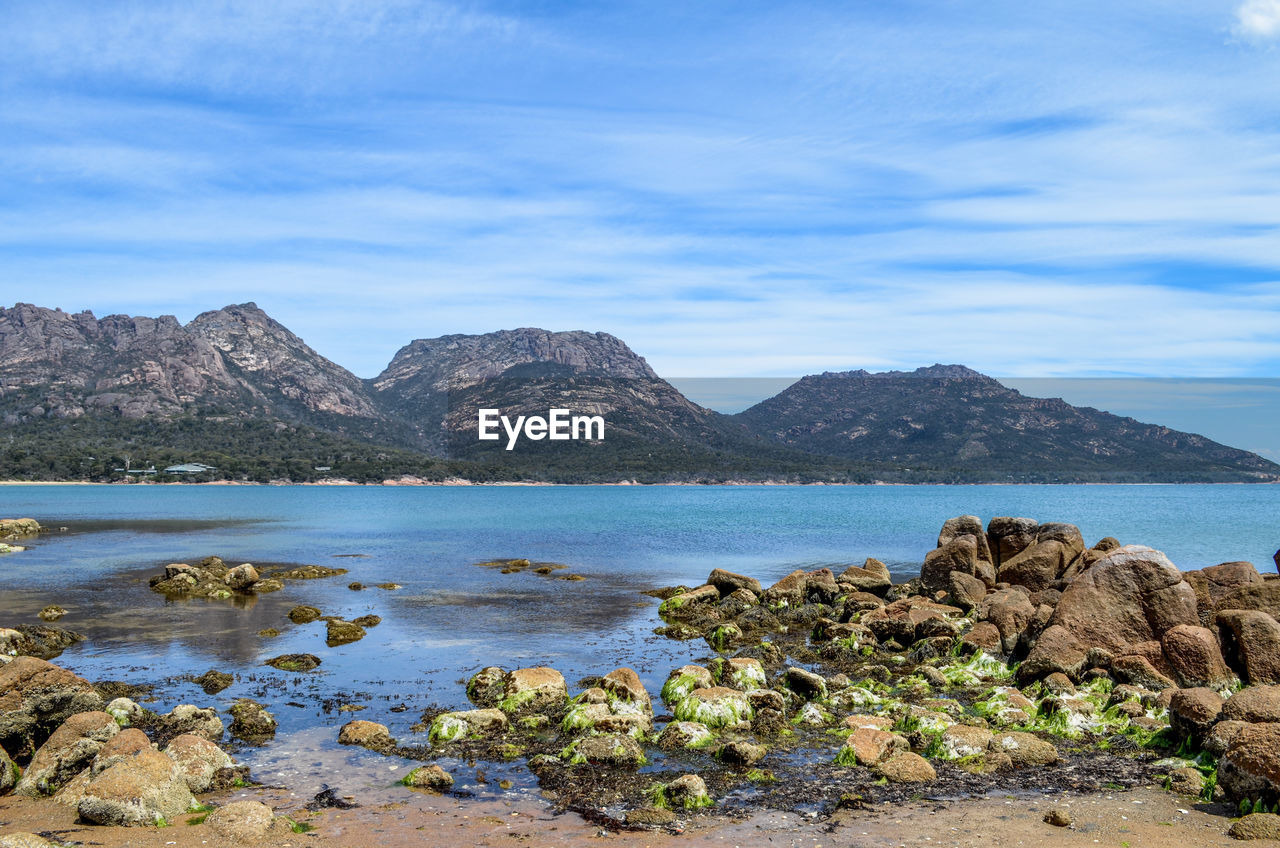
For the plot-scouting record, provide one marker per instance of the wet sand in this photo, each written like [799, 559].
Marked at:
[1137, 819]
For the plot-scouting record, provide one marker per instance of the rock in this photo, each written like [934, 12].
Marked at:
[1058, 817]
[1256, 826]
[304, 614]
[806, 684]
[251, 722]
[624, 684]
[533, 690]
[1009, 537]
[690, 602]
[738, 752]
[1251, 644]
[789, 591]
[933, 677]
[715, 707]
[12, 528]
[965, 591]
[1133, 594]
[1039, 565]
[25, 840]
[1010, 611]
[146, 788]
[449, 727]
[67, 752]
[611, 749]
[684, 734]
[900, 621]
[365, 734]
[1193, 712]
[1254, 704]
[125, 711]
[188, 718]
[870, 746]
[966, 525]
[485, 688]
[199, 759]
[339, 632]
[688, 792]
[246, 821]
[242, 577]
[984, 637]
[1263, 597]
[1219, 738]
[294, 662]
[962, 740]
[745, 673]
[36, 697]
[1057, 650]
[9, 773]
[1024, 749]
[684, 680]
[269, 584]
[367, 621]
[871, 577]
[726, 582]
[1250, 769]
[957, 554]
[906, 767]
[1193, 655]
[1139, 671]
[123, 745]
[214, 681]
[53, 612]
[1186, 781]
[430, 777]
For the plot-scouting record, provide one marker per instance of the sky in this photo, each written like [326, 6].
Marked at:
[1037, 190]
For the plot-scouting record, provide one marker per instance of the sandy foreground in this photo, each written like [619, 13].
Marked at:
[1144, 817]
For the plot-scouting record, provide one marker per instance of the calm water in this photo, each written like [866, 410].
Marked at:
[451, 618]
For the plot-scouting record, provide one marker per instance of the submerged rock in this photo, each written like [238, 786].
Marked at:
[251, 722]
[339, 632]
[365, 734]
[294, 662]
[214, 681]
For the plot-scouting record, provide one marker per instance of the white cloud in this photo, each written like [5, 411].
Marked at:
[1258, 19]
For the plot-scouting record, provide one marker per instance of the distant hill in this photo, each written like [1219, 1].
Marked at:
[233, 388]
[949, 422]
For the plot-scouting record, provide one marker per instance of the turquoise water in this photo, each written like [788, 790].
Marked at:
[451, 617]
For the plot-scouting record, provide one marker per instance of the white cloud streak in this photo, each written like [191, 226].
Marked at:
[1258, 19]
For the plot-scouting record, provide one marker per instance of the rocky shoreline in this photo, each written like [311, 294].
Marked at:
[1019, 660]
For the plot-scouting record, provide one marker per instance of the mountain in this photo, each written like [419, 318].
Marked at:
[60, 365]
[950, 423]
[440, 385]
[81, 396]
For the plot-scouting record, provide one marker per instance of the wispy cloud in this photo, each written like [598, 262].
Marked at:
[1258, 19]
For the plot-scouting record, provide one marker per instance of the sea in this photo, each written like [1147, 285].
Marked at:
[452, 616]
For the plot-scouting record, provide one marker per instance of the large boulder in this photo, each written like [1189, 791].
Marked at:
[1134, 594]
[1193, 712]
[1007, 537]
[1057, 650]
[957, 554]
[1024, 749]
[906, 767]
[146, 788]
[902, 619]
[1251, 644]
[449, 727]
[533, 690]
[1264, 597]
[715, 707]
[869, 747]
[1250, 769]
[1254, 704]
[251, 722]
[67, 752]
[1195, 658]
[1040, 565]
[199, 759]
[243, 822]
[610, 749]
[727, 582]
[789, 591]
[36, 697]
[1010, 611]
[872, 577]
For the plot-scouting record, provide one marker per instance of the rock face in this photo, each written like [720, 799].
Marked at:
[36, 697]
[67, 752]
[1132, 595]
[1251, 644]
[1195, 657]
[135, 367]
[145, 788]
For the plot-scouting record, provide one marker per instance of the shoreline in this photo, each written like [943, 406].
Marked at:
[460, 483]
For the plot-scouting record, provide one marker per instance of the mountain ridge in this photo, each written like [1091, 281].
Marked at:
[68, 380]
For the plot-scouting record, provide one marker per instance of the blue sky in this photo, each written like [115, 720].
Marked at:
[1050, 189]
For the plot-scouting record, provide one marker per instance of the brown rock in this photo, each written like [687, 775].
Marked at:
[1058, 817]
[1010, 611]
[533, 690]
[1192, 712]
[199, 759]
[1038, 566]
[67, 752]
[965, 591]
[872, 577]
[124, 744]
[1024, 749]
[1254, 704]
[143, 789]
[365, 734]
[429, 777]
[726, 582]
[1010, 536]
[1219, 738]
[1251, 644]
[1057, 650]
[957, 554]
[36, 697]
[906, 767]
[870, 746]
[1264, 597]
[1139, 671]
[1194, 657]
[1256, 826]
[1132, 595]
[245, 821]
[624, 683]
[1251, 767]
[790, 590]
